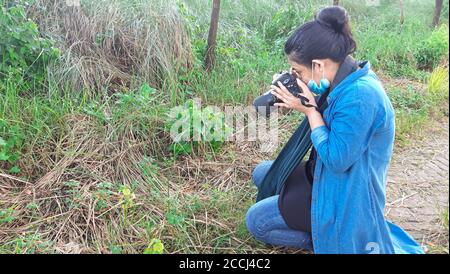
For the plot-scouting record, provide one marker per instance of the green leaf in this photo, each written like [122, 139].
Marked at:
[115, 249]
[14, 169]
[146, 89]
[3, 156]
[2, 142]
[155, 247]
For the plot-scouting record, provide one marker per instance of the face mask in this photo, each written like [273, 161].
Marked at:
[324, 83]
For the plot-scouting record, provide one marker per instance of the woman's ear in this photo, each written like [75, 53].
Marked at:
[318, 65]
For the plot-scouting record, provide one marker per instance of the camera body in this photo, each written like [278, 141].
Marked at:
[264, 103]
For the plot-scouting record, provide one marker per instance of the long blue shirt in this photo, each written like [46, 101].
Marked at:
[354, 149]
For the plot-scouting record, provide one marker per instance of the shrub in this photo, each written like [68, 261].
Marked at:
[22, 49]
[204, 128]
[432, 49]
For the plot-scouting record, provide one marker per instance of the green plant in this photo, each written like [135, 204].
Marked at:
[24, 52]
[71, 188]
[432, 49]
[438, 84]
[411, 111]
[103, 194]
[150, 170]
[174, 218]
[140, 109]
[409, 99]
[30, 244]
[127, 200]
[193, 127]
[6, 215]
[11, 140]
[115, 249]
[154, 247]
[282, 22]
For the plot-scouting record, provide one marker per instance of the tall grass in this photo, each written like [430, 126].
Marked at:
[115, 43]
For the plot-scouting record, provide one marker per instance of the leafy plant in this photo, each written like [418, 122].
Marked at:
[283, 21]
[127, 201]
[174, 218]
[30, 244]
[193, 127]
[6, 215]
[11, 140]
[433, 48]
[115, 249]
[103, 193]
[24, 52]
[154, 247]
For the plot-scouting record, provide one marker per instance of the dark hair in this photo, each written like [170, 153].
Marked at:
[328, 36]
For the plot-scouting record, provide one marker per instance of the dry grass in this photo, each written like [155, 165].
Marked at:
[111, 43]
[65, 198]
[72, 199]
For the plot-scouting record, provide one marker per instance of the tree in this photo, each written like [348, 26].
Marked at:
[402, 18]
[210, 55]
[336, 2]
[437, 12]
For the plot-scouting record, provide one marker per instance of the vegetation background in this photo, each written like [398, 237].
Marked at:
[86, 160]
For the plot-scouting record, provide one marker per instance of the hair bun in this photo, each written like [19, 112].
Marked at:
[334, 17]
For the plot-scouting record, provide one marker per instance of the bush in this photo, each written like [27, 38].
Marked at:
[431, 50]
[22, 49]
[205, 128]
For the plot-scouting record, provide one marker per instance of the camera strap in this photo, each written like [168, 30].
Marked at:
[304, 101]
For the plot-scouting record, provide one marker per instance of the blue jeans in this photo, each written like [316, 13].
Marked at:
[264, 220]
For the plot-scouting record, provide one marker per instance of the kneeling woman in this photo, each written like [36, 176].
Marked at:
[352, 146]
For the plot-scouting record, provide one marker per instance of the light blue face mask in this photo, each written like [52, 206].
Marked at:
[324, 83]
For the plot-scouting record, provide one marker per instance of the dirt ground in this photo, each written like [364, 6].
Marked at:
[418, 187]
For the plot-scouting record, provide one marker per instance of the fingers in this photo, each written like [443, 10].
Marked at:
[283, 88]
[302, 85]
[281, 105]
[306, 92]
[279, 93]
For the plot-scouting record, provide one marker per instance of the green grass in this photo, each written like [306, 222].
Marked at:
[415, 108]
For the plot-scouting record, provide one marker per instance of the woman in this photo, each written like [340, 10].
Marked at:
[352, 146]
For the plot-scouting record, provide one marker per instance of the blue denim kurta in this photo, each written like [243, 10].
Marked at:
[353, 154]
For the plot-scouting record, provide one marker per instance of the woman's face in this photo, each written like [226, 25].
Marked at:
[304, 73]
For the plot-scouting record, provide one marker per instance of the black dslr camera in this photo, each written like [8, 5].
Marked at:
[264, 103]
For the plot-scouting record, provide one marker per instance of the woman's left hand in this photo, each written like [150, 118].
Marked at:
[292, 102]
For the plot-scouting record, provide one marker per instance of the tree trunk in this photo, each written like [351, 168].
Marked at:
[336, 2]
[210, 58]
[437, 12]
[402, 18]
